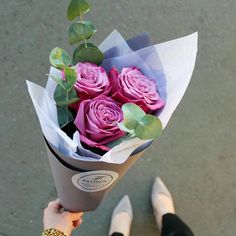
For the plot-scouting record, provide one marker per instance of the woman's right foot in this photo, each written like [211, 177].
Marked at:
[162, 201]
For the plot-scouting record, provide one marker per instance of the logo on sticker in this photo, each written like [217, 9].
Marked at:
[93, 181]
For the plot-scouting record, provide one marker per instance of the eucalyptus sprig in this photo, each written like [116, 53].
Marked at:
[137, 123]
[65, 95]
[82, 31]
[79, 33]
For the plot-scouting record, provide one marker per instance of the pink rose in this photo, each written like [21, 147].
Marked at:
[92, 80]
[134, 87]
[97, 120]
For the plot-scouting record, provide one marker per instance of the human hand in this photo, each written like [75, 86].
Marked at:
[65, 221]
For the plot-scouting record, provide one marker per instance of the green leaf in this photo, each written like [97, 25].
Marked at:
[64, 116]
[123, 128]
[71, 77]
[59, 81]
[87, 54]
[150, 127]
[77, 8]
[59, 58]
[137, 122]
[80, 31]
[132, 115]
[63, 97]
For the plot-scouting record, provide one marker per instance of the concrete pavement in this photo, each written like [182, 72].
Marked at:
[196, 154]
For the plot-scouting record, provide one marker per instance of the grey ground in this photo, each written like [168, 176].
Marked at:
[196, 154]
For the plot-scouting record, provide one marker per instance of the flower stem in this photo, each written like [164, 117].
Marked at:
[85, 41]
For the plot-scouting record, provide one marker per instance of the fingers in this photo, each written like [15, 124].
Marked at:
[55, 205]
[76, 216]
[78, 222]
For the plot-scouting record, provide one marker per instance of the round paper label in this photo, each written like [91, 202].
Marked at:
[94, 181]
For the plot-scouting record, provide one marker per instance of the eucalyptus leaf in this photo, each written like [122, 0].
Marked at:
[59, 58]
[63, 97]
[123, 128]
[88, 54]
[59, 81]
[77, 8]
[149, 127]
[71, 77]
[64, 116]
[80, 31]
[132, 115]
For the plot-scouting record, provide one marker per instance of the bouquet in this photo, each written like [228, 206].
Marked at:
[105, 105]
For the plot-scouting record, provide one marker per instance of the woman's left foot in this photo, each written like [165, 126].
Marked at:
[122, 217]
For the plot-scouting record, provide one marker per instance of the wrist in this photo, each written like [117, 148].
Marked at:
[53, 232]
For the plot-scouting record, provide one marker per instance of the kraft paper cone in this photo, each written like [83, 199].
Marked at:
[83, 187]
